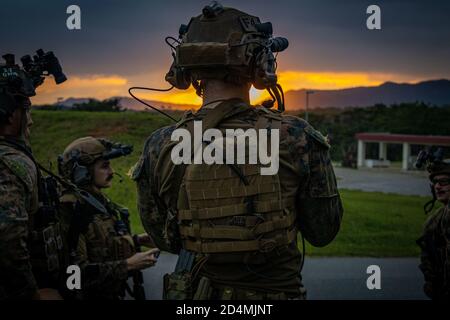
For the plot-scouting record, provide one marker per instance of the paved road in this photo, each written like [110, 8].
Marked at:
[383, 181]
[330, 278]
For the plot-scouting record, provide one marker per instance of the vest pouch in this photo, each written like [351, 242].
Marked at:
[177, 286]
[123, 247]
[204, 290]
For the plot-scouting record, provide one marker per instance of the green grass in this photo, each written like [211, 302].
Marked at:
[377, 225]
[374, 224]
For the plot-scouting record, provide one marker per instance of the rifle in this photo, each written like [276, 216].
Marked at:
[86, 196]
[138, 292]
[138, 278]
[46, 245]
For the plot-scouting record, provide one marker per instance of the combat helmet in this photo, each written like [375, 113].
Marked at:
[436, 164]
[439, 169]
[18, 83]
[74, 164]
[226, 44]
[15, 87]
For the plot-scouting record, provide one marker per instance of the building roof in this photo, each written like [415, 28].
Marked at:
[402, 138]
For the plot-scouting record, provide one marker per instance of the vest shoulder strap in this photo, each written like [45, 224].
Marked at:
[172, 175]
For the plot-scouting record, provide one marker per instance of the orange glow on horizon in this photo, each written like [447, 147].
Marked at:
[103, 87]
[183, 97]
[289, 80]
[296, 80]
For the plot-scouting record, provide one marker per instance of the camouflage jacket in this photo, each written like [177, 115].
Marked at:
[435, 262]
[305, 172]
[18, 203]
[99, 244]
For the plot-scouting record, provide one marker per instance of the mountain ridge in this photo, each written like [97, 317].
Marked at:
[434, 92]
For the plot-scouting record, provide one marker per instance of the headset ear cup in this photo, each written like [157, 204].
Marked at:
[178, 77]
[264, 73]
[182, 79]
[80, 175]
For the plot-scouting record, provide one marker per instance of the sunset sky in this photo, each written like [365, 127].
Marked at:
[121, 43]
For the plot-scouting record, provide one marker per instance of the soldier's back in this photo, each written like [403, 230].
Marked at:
[305, 172]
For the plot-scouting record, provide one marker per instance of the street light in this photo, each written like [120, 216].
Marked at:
[308, 92]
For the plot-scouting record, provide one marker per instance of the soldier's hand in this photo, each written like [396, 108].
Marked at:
[143, 260]
[145, 240]
[47, 294]
[428, 289]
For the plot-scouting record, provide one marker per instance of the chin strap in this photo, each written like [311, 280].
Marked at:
[23, 127]
[428, 207]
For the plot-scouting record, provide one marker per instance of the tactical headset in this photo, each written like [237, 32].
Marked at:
[75, 165]
[241, 53]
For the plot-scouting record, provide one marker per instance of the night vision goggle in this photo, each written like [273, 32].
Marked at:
[117, 150]
[24, 80]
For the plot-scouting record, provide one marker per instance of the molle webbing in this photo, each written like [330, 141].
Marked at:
[230, 210]
[263, 245]
[201, 175]
[238, 233]
[224, 211]
[232, 192]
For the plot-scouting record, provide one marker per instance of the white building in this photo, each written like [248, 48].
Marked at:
[383, 139]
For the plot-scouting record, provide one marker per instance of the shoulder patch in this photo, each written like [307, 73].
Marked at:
[319, 137]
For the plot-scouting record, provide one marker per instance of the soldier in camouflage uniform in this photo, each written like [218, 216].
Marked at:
[435, 240]
[99, 237]
[235, 229]
[19, 189]
[18, 200]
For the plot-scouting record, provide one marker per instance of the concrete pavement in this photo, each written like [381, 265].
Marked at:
[330, 278]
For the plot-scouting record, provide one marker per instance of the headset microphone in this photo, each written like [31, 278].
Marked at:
[120, 176]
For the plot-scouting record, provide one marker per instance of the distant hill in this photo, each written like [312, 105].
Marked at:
[132, 104]
[128, 103]
[70, 102]
[435, 92]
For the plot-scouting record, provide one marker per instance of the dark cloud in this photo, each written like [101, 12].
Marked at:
[127, 37]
